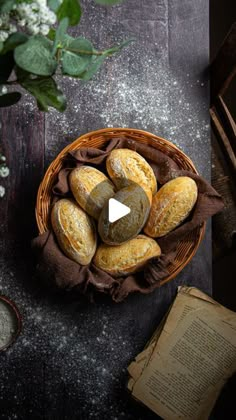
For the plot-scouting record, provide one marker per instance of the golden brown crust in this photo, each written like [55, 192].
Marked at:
[124, 165]
[91, 189]
[74, 230]
[130, 225]
[126, 258]
[171, 205]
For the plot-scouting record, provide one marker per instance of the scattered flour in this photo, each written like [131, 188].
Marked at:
[72, 356]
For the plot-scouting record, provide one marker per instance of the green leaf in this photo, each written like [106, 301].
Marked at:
[13, 41]
[60, 34]
[46, 93]
[74, 65]
[108, 2]
[81, 44]
[54, 5]
[9, 99]
[93, 68]
[77, 56]
[6, 66]
[6, 5]
[22, 74]
[51, 34]
[117, 48]
[70, 9]
[1, 46]
[35, 56]
[97, 62]
[67, 40]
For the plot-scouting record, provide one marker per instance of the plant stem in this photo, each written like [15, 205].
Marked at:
[58, 54]
[84, 52]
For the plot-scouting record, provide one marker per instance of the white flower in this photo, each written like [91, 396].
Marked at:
[4, 171]
[3, 90]
[44, 29]
[2, 191]
[35, 17]
[6, 27]
[3, 36]
[4, 19]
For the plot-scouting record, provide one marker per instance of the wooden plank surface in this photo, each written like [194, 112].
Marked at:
[70, 361]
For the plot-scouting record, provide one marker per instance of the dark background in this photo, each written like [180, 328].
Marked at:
[70, 362]
[222, 16]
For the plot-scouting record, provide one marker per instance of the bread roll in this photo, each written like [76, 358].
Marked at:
[126, 258]
[171, 205]
[91, 189]
[130, 225]
[124, 165]
[74, 230]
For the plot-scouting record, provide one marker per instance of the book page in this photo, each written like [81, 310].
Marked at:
[194, 356]
[136, 368]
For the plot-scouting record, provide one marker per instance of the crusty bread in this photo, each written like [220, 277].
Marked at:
[124, 165]
[126, 258]
[171, 205]
[130, 225]
[91, 189]
[74, 230]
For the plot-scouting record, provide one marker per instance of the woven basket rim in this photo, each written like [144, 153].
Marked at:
[109, 133]
[84, 138]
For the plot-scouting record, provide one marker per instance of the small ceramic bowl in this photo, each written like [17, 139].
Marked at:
[10, 322]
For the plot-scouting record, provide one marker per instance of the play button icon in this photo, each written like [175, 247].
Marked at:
[116, 210]
[122, 215]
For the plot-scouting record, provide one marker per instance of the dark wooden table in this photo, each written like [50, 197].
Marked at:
[71, 358]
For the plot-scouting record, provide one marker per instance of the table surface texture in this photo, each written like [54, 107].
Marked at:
[70, 360]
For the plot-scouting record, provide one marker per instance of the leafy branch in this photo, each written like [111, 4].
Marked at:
[36, 58]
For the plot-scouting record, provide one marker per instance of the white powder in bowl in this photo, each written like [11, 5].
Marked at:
[8, 324]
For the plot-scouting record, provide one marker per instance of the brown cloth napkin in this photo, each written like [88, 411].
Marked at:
[59, 270]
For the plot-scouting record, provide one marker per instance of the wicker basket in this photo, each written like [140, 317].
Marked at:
[185, 249]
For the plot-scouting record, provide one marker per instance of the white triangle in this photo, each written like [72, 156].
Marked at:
[116, 210]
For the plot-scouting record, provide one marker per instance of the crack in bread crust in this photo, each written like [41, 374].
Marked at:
[124, 165]
[74, 231]
[126, 258]
[171, 205]
[91, 189]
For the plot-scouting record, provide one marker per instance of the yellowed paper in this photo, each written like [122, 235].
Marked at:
[136, 368]
[193, 357]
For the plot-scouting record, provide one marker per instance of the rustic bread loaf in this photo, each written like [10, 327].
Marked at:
[124, 165]
[171, 205]
[74, 230]
[91, 189]
[126, 258]
[130, 225]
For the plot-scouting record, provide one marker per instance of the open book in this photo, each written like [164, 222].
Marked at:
[191, 355]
